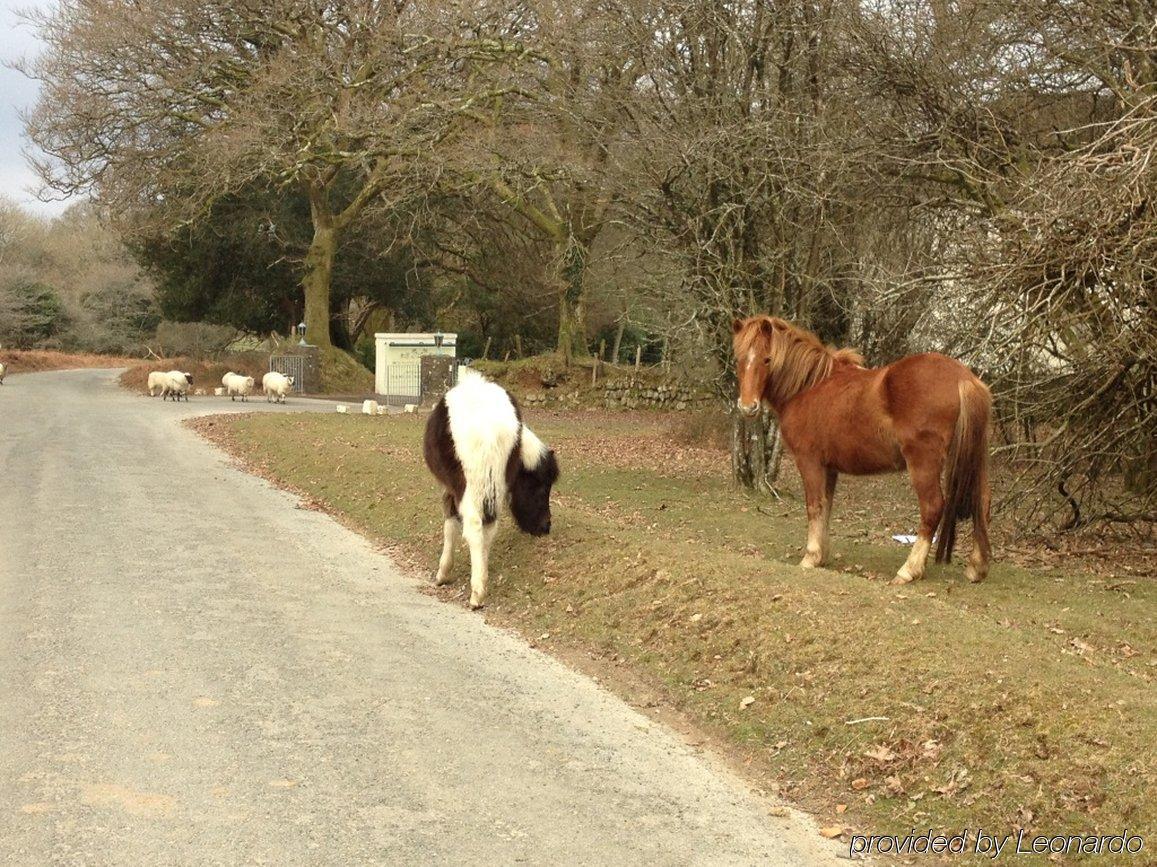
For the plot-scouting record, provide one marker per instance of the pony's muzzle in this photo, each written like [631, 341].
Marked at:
[748, 409]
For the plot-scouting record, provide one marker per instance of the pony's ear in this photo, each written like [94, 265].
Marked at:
[736, 326]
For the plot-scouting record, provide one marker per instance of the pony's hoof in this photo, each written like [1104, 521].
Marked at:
[442, 580]
[974, 575]
[903, 577]
[810, 561]
[476, 603]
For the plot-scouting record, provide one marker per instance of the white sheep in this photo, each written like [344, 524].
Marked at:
[177, 385]
[276, 386]
[237, 386]
[2, 370]
[158, 380]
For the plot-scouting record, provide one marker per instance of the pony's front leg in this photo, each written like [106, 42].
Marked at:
[819, 485]
[479, 537]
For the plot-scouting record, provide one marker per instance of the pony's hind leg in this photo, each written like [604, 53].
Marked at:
[819, 484]
[451, 535]
[977, 568]
[924, 467]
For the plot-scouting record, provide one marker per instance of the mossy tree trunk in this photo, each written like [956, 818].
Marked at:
[317, 282]
[329, 224]
[572, 324]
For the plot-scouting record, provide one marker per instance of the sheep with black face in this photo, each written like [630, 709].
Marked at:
[487, 460]
[177, 384]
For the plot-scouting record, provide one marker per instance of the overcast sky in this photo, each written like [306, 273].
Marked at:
[17, 180]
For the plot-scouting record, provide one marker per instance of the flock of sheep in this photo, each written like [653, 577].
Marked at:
[176, 384]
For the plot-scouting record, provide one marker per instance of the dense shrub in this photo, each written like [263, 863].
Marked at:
[30, 313]
[193, 339]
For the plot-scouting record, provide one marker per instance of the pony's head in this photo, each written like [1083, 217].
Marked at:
[751, 340]
[775, 361]
[535, 472]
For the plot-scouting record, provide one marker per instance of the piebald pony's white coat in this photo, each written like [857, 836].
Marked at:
[485, 428]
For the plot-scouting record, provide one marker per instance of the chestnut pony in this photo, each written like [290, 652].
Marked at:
[924, 413]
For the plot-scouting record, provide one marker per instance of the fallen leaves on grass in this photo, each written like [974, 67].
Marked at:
[881, 754]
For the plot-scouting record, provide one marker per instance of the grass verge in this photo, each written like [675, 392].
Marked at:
[1024, 702]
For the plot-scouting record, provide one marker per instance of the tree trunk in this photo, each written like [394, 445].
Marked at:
[756, 452]
[316, 282]
[572, 320]
[318, 267]
[618, 339]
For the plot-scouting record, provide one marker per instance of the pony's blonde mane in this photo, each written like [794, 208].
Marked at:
[797, 359]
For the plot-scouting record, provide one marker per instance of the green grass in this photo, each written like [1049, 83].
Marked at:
[1026, 701]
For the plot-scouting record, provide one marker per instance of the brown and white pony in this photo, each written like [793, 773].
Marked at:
[488, 462]
[924, 413]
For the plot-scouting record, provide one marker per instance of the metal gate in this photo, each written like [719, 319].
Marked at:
[403, 383]
[290, 365]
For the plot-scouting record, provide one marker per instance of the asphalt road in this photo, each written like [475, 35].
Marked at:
[196, 671]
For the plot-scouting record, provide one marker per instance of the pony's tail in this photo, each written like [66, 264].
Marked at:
[966, 481]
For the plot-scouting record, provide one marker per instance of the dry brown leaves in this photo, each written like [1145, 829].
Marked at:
[35, 360]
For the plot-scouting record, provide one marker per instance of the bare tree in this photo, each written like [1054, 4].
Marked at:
[1071, 291]
[159, 110]
[541, 154]
[747, 160]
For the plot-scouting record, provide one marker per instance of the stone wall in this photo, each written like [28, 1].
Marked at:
[626, 393]
[436, 373]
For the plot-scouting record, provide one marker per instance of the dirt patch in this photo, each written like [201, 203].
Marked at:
[114, 797]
